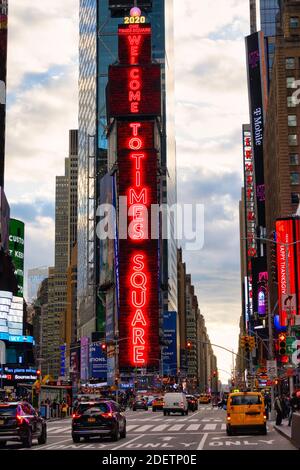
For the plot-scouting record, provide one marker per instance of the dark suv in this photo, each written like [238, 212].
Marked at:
[20, 422]
[140, 404]
[98, 418]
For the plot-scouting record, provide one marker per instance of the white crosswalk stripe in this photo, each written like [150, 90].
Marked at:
[176, 427]
[193, 427]
[145, 428]
[59, 430]
[162, 427]
[210, 427]
[130, 427]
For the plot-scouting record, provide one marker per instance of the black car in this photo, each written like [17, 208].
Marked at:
[192, 402]
[140, 404]
[20, 422]
[98, 419]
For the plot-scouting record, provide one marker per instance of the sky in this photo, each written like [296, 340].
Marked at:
[211, 106]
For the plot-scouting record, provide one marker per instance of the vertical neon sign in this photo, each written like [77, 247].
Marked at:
[134, 99]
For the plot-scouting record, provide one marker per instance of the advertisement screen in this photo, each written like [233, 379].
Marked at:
[98, 362]
[135, 44]
[286, 269]
[257, 87]
[260, 286]
[134, 90]
[16, 250]
[170, 348]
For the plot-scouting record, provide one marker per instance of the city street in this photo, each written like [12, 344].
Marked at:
[201, 430]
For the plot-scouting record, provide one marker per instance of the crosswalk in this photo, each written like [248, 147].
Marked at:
[167, 427]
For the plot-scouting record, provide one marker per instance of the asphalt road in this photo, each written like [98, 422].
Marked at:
[202, 430]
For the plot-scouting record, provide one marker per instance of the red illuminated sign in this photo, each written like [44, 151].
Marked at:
[138, 257]
[134, 91]
[135, 44]
[286, 267]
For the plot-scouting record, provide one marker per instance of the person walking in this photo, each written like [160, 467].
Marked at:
[294, 406]
[279, 410]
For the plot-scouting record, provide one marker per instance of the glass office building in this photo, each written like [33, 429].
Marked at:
[98, 48]
[269, 9]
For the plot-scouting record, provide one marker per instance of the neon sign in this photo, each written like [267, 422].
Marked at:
[134, 92]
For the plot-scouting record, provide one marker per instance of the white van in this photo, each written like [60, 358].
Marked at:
[175, 402]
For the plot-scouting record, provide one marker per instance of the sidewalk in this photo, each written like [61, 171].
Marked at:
[284, 430]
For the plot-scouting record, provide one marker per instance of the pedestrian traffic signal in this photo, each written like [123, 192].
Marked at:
[282, 344]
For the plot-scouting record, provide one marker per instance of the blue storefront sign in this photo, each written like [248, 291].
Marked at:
[98, 362]
[170, 348]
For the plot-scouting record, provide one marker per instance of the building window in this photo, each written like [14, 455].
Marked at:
[295, 198]
[290, 82]
[290, 63]
[295, 178]
[294, 159]
[292, 120]
[294, 22]
[291, 102]
[293, 140]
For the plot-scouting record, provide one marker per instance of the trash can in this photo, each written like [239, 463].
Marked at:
[296, 430]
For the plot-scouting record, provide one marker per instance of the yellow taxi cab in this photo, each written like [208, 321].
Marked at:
[246, 411]
[204, 398]
[158, 403]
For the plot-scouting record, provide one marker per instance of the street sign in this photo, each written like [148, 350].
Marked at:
[291, 345]
[272, 369]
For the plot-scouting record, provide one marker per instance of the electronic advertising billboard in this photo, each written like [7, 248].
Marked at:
[260, 286]
[3, 67]
[287, 292]
[84, 358]
[134, 98]
[257, 89]
[170, 347]
[11, 314]
[16, 250]
[98, 362]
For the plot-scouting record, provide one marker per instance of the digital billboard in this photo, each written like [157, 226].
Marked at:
[16, 250]
[286, 269]
[134, 90]
[257, 89]
[134, 98]
[98, 362]
[11, 314]
[170, 348]
[260, 286]
[3, 67]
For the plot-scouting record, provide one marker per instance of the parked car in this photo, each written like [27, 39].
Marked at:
[192, 402]
[158, 403]
[98, 418]
[140, 404]
[21, 423]
[175, 402]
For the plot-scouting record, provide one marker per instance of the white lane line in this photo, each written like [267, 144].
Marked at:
[210, 427]
[176, 427]
[223, 427]
[129, 427]
[57, 431]
[161, 427]
[144, 428]
[127, 443]
[202, 442]
[52, 446]
[193, 427]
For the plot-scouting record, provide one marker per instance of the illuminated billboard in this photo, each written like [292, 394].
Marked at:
[260, 286]
[11, 314]
[3, 67]
[16, 250]
[286, 269]
[257, 89]
[134, 90]
[134, 98]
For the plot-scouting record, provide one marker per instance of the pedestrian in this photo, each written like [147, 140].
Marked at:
[53, 408]
[294, 406]
[279, 410]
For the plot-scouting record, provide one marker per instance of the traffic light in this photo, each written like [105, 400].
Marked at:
[282, 344]
[189, 345]
[215, 373]
[38, 373]
[247, 344]
[103, 347]
[242, 342]
[252, 342]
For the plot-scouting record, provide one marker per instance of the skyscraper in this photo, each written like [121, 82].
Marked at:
[98, 48]
[3, 62]
[269, 17]
[35, 276]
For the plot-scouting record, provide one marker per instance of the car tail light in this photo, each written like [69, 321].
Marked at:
[76, 416]
[265, 417]
[20, 419]
[163, 403]
[107, 415]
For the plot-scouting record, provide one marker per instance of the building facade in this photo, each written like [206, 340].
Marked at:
[35, 276]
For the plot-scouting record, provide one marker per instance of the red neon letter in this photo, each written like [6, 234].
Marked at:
[135, 126]
[138, 318]
[138, 198]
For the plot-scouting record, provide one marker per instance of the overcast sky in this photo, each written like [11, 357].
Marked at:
[211, 106]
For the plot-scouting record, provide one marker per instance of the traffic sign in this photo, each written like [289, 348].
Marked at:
[291, 345]
[272, 369]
